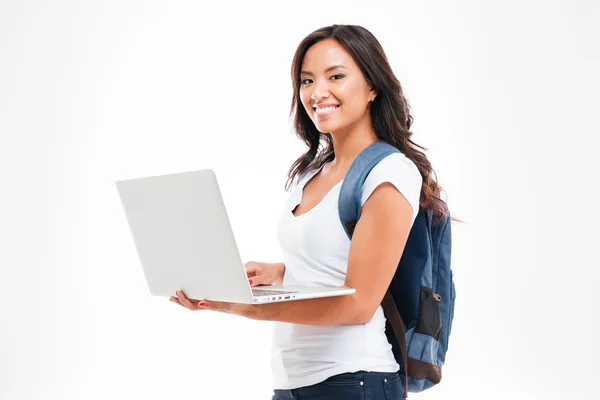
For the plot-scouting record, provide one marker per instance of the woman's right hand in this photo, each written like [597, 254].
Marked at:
[260, 273]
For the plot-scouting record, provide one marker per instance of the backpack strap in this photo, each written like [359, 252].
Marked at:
[350, 209]
[391, 313]
[349, 201]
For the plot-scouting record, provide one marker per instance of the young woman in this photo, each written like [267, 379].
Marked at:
[346, 97]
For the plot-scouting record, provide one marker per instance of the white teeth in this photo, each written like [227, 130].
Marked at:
[326, 109]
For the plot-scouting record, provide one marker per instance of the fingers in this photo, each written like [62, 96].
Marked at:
[255, 273]
[251, 268]
[182, 300]
[194, 304]
[185, 301]
[215, 305]
[177, 301]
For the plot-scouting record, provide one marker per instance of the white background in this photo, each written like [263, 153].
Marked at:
[504, 96]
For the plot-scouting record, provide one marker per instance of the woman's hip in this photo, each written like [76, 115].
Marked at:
[349, 386]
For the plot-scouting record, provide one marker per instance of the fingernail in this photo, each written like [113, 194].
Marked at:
[202, 304]
[250, 280]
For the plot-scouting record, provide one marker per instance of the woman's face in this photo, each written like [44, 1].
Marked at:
[333, 90]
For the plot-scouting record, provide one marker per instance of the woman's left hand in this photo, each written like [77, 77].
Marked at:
[245, 310]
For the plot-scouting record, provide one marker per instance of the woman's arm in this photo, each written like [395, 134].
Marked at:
[375, 251]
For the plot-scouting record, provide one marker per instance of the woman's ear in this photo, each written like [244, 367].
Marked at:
[372, 95]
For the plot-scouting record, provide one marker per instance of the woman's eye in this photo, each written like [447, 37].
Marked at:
[303, 81]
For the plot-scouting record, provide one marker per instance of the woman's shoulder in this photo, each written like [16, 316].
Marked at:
[395, 165]
[400, 171]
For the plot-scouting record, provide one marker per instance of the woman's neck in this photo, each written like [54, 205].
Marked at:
[347, 147]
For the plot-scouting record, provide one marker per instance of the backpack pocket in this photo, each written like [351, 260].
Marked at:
[423, 368]
[430, 321]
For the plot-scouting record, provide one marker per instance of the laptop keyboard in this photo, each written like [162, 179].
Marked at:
[259, 292]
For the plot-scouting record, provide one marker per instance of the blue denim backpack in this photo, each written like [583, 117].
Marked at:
[419, 303]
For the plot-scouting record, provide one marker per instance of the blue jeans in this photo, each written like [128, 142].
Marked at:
[359, 385]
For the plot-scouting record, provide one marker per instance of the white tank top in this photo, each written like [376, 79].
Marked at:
[315, 250]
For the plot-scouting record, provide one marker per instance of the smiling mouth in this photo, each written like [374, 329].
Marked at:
[320, 112]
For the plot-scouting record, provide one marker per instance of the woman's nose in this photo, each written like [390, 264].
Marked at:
[320, 90]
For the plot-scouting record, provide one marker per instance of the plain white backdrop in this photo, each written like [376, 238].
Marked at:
[504, 97]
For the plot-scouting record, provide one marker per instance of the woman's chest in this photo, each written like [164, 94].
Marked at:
[315, 238]
[314, 193]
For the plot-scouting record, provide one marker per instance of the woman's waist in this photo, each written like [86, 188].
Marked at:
[350, 339]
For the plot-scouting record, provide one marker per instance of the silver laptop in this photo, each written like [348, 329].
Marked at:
[185, 242]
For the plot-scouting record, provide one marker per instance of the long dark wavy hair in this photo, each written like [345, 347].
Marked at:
[390, 112]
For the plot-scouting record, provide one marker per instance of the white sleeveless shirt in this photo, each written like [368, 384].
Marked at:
[315, 250]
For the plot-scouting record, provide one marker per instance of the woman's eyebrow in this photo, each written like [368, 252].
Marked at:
[326, 70]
